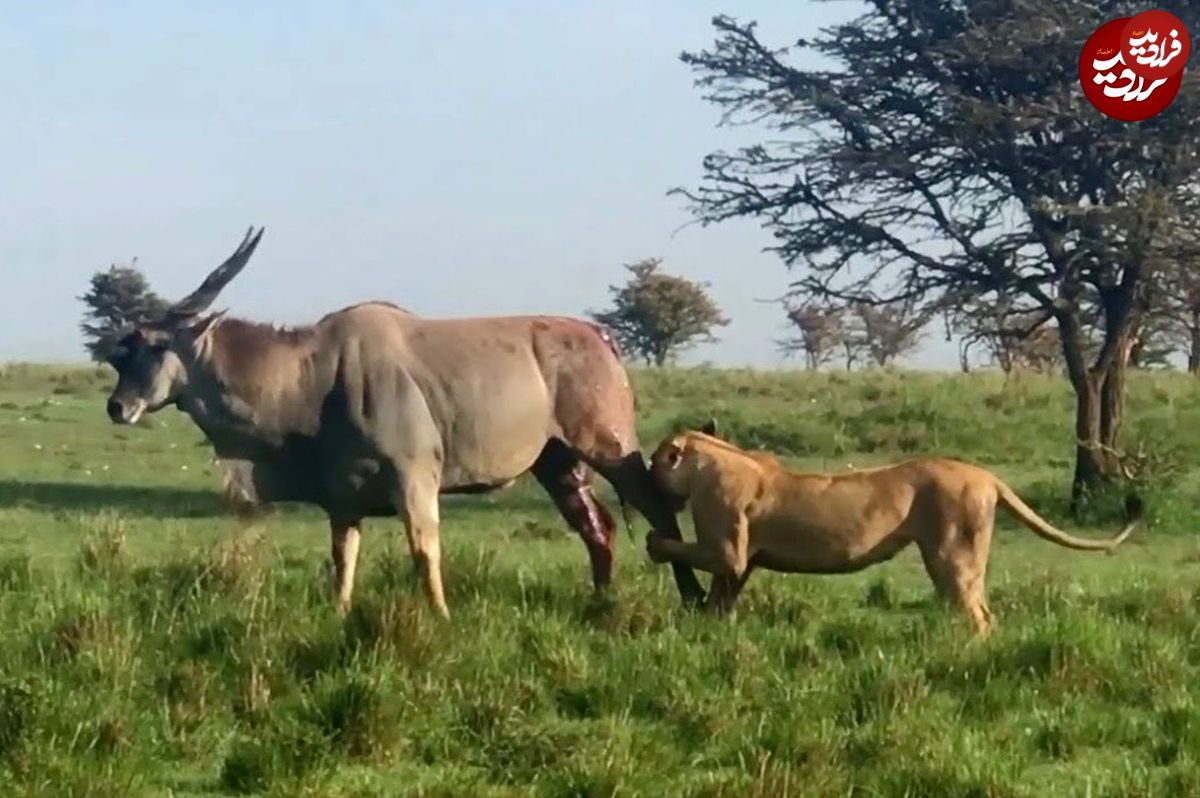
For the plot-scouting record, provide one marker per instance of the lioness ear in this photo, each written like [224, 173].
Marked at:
[674, 455]
[710, 427]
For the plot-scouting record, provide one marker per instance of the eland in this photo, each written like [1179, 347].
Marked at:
[374, 411]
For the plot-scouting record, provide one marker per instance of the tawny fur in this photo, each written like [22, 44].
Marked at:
[751, 512]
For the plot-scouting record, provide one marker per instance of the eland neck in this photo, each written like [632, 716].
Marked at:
[248, 386]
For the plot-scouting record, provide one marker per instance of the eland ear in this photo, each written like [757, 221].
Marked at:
[710, 427]
[204, 328]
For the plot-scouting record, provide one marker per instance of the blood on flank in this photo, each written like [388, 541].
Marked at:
[1131, 68]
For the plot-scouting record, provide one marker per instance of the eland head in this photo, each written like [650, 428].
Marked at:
[152, 359]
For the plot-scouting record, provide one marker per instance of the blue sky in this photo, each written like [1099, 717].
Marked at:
[458, 159]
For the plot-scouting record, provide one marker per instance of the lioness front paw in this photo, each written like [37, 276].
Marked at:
[656, 548]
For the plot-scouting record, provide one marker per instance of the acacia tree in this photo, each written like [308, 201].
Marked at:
[886, 332]
[1041, 351]
[990, 326]
[820, 330]
[656, 315]
[117, 298]
[950, 149]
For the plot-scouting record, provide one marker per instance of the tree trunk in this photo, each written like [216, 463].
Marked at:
[1005, 355]
[1194, 352]
[1112, 403]
[1098, 404]
[1099, 392]
[1089, 458]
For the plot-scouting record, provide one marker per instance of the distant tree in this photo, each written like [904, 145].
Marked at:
[1177, 302]
[656, 316]
[1010, 338]
[819, 332]
[886, 332]
[851, 345]
[1040, 350]
[116, 299]
[1152, 343]
[989, 325]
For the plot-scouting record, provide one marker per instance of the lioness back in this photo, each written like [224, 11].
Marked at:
[851, 505]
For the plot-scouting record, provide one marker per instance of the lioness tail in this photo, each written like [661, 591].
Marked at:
[1046, 531]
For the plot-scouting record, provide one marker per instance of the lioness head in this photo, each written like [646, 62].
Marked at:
[673, 470]
[667, 467]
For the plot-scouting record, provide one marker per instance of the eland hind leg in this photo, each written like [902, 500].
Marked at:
[418, 508]
[595, 416]
[344, 537]
[568, 481]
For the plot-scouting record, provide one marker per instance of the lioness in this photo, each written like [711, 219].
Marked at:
[751, 512]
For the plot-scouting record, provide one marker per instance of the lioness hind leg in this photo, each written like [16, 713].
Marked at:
[957, 568]
[970, 594]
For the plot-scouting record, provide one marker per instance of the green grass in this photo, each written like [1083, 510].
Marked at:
[150, 645]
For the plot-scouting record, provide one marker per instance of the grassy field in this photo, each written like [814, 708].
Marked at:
[149, 645]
